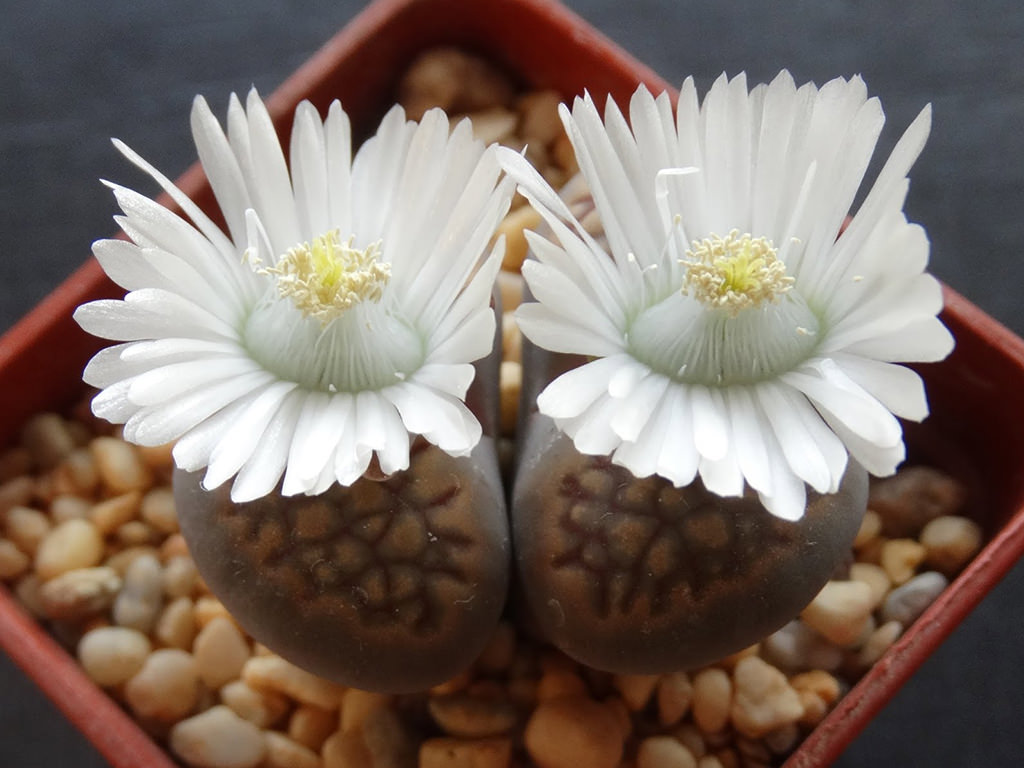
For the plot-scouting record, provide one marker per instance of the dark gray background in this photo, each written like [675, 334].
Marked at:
[73, 74]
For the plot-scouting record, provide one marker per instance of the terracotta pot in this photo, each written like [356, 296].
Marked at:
[974, 394]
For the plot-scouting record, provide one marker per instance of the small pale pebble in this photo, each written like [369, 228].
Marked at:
[491, 125]
[689, 736]
[540, 121]
[122, 559]
[283, 752]
[47, 438]
[870, 527]
[511, 339]
[356, 705]
[310, 726]
[221, 652]
[173, 546]
[563, 154]
[818, 681]
[763, 699]
[878, 643]
[346, 749]
[13, 562]
[262, 708]
[797, 647]
[465, 753]
[664, 752]
[179, 576]
[112, 655]
[900, 558]
[472, 717]
[140, 600]
[712, 699]
[908, 601]
[69, 507]
[908, 500]
[573, 731]
[452, 80]
[387, 739]
[636, 690]
[510, 383]
[76, 473]
[16, 492]
[840, 611]
[157, 457]
[275, 674]
[208, 608]
[513, 227]
[166, 688]
[510, 286]
[119, 465]
[79, 594]
[218, 738]
[72, 544]
[555, 684]
[950, 542]
[176, 624]
[675, 693]
[110, 514]
[27, 528]
[157, 508]
[815, 708]
[875, 577]
[710, 761]
[136, 533]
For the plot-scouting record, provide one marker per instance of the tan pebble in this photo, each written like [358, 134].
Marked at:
[179, 576]
[872, 551]
[555, 684]
[620, 711]
[208, 608]
[176, 625]
[510, 286]
[664, 752]
[797, 647]
[218, 738]
[119, 465]
[511, 339]
[27, 528]
[710, 761]
[356, 706]
[753, 752]
[158, 510]
[310, 726]
[728, 663]
[463, 753]
[69, 507]
[878, 643]
[513, 227]
[159, 457]
[472, 716]
[820, 682]
[112, 655]
[221, 652]
[815, 708]
[950, 542]
[77, 474]
[900, 558]
[16, 492]
[79, 594]
[453, 80]
[912, 497]
[689, 735]
[492, 125]
[500, 651]
[283, 752]
[453, 684]
[27, 589]
[572, 731]
[262, 708]
[122, 559]
[166, 688]
[346, 749]
[870, 527]
[70, 545]
[136, 533]
[47, 439]
[675, 692]
[387, 739]
[173, 546]
[563, 154]
[139, 602]
[875, 577]
[275, 674]
[763, 700]
[840, 611]
[783, 740]
[636, 690]
[13, 562]
[540, 121]
[110, 514]
[712, 698]
[510, 383]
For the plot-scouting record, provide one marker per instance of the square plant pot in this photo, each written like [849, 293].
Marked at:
[974, 394]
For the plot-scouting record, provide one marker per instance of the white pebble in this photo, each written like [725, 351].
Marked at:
[763, 701]
[712, 697]
[840, 611]
[112, 655]
[140, 600]
[218, 738]
[950, 542]
[220, 651]
[72, 544]
[166, 688]
[664, 752]
[797, 647]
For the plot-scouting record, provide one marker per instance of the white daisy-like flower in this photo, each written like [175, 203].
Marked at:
[737, 331]
[338, 316]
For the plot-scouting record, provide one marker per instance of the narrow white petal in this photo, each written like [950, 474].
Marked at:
[710, 424]
[573, 392]
[260, 474]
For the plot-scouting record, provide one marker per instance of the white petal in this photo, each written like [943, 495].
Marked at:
[573, 392]
[260, 473]
[710, 425]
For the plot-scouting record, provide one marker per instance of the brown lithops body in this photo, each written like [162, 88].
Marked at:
[392, 584]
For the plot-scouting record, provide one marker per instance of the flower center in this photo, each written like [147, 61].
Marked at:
[735, 272]
[326, 278]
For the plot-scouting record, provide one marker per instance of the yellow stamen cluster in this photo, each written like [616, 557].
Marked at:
[327, 277]
[735, 272]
